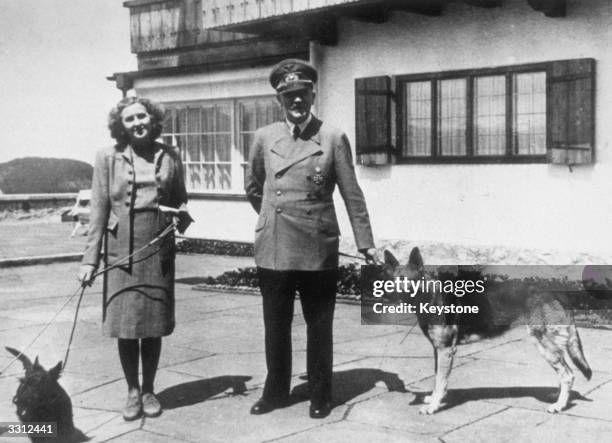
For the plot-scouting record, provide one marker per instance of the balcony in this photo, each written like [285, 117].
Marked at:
[171, 34]
[304, 17]
[310, 17]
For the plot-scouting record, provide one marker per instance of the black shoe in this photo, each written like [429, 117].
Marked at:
[321, 410]
[263, 406]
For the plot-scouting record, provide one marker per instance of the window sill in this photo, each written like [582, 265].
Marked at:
[473, 160]
[211, 196]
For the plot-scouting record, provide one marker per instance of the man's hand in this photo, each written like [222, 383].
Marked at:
[86, 275]
[371, 256]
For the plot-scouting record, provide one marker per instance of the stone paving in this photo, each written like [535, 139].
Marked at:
[212, 370]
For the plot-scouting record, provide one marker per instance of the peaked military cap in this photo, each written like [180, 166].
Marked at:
[293, 74]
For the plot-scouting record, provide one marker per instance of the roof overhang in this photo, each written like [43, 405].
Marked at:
[317, 21]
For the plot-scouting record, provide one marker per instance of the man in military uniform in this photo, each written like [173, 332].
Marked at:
[294, 167]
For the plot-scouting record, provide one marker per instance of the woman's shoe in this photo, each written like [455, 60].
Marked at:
[133, 406]
[151, 405]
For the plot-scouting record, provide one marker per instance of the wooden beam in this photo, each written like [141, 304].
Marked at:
[378, 14]
[432, 8]
[550, 8]
[324, 31]
[484, 3]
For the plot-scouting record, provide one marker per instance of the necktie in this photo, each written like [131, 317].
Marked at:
[296, 132]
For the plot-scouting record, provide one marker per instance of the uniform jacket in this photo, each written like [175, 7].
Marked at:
[290, 184]
[112, 199]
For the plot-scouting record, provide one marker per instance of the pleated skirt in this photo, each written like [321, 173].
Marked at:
[138, 299]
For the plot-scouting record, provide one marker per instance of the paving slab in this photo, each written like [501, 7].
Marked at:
[592, 407]
[395, 410]
[341, 432]
[560, 428]
[213, 366]
[504, 426]
[227, 419]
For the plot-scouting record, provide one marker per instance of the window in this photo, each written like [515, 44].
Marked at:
[476, 115]
[214, 139]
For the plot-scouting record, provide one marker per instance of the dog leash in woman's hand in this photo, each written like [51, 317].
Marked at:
[170, 228]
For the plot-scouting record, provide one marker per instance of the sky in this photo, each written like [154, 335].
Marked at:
[55, 56]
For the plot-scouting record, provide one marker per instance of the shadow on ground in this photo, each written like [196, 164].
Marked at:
[194, 392]
[352, 383]
[457, 397]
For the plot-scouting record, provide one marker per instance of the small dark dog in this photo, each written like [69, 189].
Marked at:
[40, 398]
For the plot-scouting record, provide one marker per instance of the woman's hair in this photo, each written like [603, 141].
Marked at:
[117, 131]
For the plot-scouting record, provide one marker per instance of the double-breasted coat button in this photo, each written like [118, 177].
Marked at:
[130, 171]
[129, 193]
[127, 203]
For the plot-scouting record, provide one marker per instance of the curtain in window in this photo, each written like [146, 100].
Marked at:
[417, 125]
[529, 117]
[452, 116]
[490, 115]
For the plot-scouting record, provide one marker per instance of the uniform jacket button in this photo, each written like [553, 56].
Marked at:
[279, 175]
[127, 203]
[308, 211]
[129, 193]
[278, 193]
[279, 210]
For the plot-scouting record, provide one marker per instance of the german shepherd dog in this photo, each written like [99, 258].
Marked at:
[553, 341]
[40, 398]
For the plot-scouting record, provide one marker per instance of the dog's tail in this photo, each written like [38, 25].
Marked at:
[574, 348]
[27, 364]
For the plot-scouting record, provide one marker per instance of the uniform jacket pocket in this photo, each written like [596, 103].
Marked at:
[113, 222]
[329, 226]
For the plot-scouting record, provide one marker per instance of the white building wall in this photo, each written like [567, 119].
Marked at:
[537, 206]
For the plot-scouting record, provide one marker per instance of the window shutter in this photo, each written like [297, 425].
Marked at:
[373, 120]
[571, 111]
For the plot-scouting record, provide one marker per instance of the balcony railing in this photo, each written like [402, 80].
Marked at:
[159, 25]
[257, 15]
[220, 13]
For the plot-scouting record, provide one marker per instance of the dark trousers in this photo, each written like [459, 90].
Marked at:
[317, 291]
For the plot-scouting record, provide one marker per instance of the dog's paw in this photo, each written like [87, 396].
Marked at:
[427, 399]
[429, 409]
[555, 407]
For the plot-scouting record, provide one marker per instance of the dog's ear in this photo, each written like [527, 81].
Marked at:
[56, 371]
[390, 259]
[27, 364]
[36, 365]
[415, 260]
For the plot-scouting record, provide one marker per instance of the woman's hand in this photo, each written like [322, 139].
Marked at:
[86, 275]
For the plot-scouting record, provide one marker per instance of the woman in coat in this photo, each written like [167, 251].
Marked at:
[131, 182]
